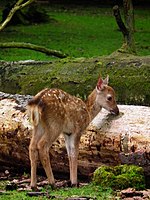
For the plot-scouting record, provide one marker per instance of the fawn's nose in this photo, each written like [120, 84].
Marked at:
[115, 111]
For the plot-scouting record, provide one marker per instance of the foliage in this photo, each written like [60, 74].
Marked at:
[120, 177]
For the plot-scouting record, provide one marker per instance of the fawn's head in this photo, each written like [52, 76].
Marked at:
[106, 96]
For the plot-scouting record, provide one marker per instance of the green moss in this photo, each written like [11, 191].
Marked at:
[121, 181]
[120, 177]
[104, 176]
[128, 76]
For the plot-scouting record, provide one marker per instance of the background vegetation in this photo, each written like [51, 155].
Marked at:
[76, 30]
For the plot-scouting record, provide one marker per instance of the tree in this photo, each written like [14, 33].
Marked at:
[127, 29]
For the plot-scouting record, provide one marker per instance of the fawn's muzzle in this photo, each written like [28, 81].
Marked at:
[115, 111]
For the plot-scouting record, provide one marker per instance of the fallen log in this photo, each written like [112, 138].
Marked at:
[127, 73]
[108, 140]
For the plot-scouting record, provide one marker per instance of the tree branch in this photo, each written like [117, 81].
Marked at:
[16, 7]
[34, 47]
[25, 4]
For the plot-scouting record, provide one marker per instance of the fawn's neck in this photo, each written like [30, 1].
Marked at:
[92, 106]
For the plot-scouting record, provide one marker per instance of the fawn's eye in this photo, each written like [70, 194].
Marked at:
[109, 98]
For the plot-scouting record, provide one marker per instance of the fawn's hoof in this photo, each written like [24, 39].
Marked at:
[34, 188]
[73, 184]
[53, 186]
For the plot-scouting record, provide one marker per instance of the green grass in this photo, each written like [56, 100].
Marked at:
[85, 191]
[79, 32]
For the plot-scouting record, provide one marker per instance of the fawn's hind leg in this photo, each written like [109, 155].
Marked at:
[43, 148]
[33, 153]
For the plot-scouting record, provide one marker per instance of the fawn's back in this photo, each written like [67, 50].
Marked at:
[56, 108]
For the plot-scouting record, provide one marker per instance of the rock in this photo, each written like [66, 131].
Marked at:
[130, 194]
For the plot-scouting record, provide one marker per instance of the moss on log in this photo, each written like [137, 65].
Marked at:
[129, 75]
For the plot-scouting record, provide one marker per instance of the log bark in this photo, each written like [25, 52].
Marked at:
[108, 140]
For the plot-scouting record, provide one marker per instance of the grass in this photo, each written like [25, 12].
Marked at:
[84, 191]
[79, 32]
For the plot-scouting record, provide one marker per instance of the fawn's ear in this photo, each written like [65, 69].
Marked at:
[105, 82]
[101, 83]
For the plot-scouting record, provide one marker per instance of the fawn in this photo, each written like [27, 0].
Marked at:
[52, 112]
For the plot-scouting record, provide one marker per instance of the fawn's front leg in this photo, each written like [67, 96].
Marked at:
[72, 145]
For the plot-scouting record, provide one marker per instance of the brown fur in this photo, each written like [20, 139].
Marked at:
[52, 112]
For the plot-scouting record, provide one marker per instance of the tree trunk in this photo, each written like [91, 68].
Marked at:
[119, 21]
[108, 140]
[129, 20]
[128, 28]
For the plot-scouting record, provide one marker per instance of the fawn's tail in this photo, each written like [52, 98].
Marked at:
[34, 114]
